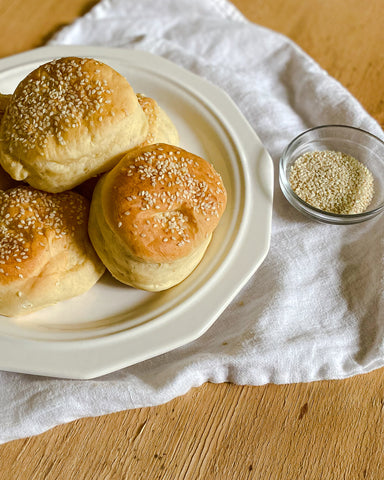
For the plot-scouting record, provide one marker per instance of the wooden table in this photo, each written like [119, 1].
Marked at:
[324, 430]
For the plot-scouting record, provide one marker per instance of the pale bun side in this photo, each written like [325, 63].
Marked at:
[153, 215]
[161, 129]
[45, 252]
[68, 120]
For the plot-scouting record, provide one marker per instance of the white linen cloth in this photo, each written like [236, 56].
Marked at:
[314, 309]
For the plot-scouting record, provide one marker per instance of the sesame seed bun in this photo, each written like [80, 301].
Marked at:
[68, 120]
[45, 252]
[153, 215]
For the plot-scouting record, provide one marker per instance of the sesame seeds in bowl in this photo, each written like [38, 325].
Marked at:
[334, 174]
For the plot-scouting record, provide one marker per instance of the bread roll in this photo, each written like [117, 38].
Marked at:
[153, 215]
[160, 127]
[67, 121]
[45, 252]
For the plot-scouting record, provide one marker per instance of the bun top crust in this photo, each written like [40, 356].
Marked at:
[31, 221]
[162, 201]
[59, 96]
[66, 120]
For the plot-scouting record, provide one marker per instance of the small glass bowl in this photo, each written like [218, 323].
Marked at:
[362, 145]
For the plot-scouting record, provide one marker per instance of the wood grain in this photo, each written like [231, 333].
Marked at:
[27, 24]
[324, 430]
[343, 36]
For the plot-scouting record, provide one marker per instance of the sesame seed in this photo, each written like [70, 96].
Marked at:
[332, 181]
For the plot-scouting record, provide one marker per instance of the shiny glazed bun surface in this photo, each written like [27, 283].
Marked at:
[68, 120]
[45, 252]
[153, 215]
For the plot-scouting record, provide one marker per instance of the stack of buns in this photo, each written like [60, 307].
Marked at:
[75, 125]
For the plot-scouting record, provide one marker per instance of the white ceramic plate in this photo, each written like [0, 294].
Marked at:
[113, 326]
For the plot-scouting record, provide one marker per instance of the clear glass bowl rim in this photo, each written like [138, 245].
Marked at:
[316, 212]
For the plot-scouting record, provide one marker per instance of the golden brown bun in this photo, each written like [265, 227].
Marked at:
[67, 121]
[45, 252]
[153, 215]
[160, 127]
